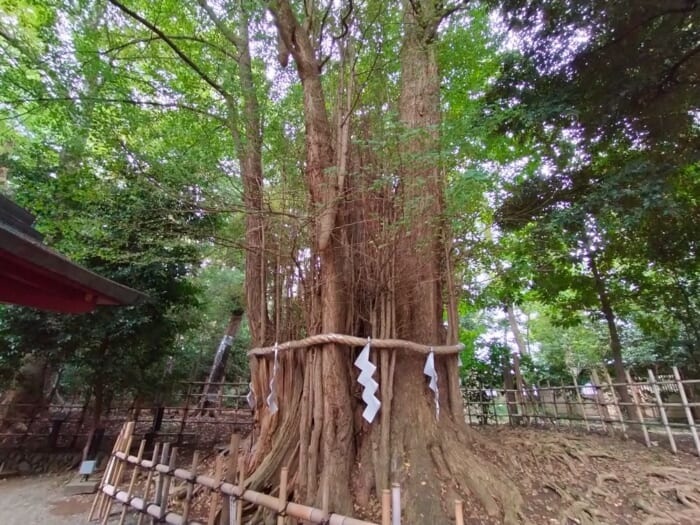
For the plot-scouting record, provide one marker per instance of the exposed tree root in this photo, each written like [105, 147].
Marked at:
[681, 486]
[582, 510]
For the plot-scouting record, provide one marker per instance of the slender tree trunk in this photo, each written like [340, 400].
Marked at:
[250, 158]
[218, 367]
[615, 342]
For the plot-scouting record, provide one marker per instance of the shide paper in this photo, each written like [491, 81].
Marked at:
[251, 396]
[370, 386]
[272, 397]
[429, 370]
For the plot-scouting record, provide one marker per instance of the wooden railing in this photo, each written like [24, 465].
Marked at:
[663, 405]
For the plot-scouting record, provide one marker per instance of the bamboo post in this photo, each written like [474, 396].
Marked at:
[469, 408]
[459, 512]
[230, 477]
[662, 411]
[165, 488]
[158, 495]
[185, 411]
[637, 409]
[686, 407]
[118, 471]
[134, 474]
[600, 403]
[190, 488]
[554, 403]
[395, 504]
[580, 403]
[620, 415]
[100, 495]
[282, 496]
[325, 495]
[495, 405]
[113, 465]
[569, 417]
[149, 479]
[214, 502]
[241, 486]
[386, 507]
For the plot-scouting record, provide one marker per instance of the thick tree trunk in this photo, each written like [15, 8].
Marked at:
[318, 431]
[326, 435]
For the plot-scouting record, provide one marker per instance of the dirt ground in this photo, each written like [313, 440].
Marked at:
[589, 479]
[564, 478]
[40, 501]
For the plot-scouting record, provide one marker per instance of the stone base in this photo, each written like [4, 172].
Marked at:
[79, 486]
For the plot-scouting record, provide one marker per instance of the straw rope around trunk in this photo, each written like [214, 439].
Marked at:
[349, 340]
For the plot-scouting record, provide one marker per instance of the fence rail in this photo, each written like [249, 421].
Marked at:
[69, 425]
[666, 404]
[227, 491]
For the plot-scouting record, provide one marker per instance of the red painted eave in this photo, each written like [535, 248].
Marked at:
[32, 274]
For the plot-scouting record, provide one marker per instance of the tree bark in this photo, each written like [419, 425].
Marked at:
[318, 431]
[218, 367]
[615, 342]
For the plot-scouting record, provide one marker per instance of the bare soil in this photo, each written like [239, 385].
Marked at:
[587, 479]
[40, 501]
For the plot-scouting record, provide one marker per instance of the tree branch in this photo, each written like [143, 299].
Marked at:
[186, 59]
[135, 41]
[108, 100]
[223, 28]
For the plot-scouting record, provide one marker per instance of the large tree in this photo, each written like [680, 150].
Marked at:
[346, 235]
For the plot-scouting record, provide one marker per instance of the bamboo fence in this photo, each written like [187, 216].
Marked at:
[67, 425]
[154, 499]
[662, 409]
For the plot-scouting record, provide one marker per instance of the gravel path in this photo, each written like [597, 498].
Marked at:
[40, 501]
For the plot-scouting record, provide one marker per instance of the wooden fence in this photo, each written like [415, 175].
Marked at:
[68, 425]
[226, 492]
[659, 408]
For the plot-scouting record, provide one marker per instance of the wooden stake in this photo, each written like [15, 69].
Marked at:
[165, 488]
[556, 411]
[386, 507]
[600, 403]
[100, 495]
[241, 486]
[637, 409]
[230, 477]
[686, 406]
[149, 478]
[134, 474]
[190, 488]
[324, 494]
[620, 416]
[580, 404]
[158, 495]
[395, 504]
[662, 411]
[118, 471]
[282, 496]
[459, 512]
[214, 501]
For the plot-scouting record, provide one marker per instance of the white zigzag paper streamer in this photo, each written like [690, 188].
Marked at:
[429, 370]
[251, 396]
[370, 386]
[272, 397]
